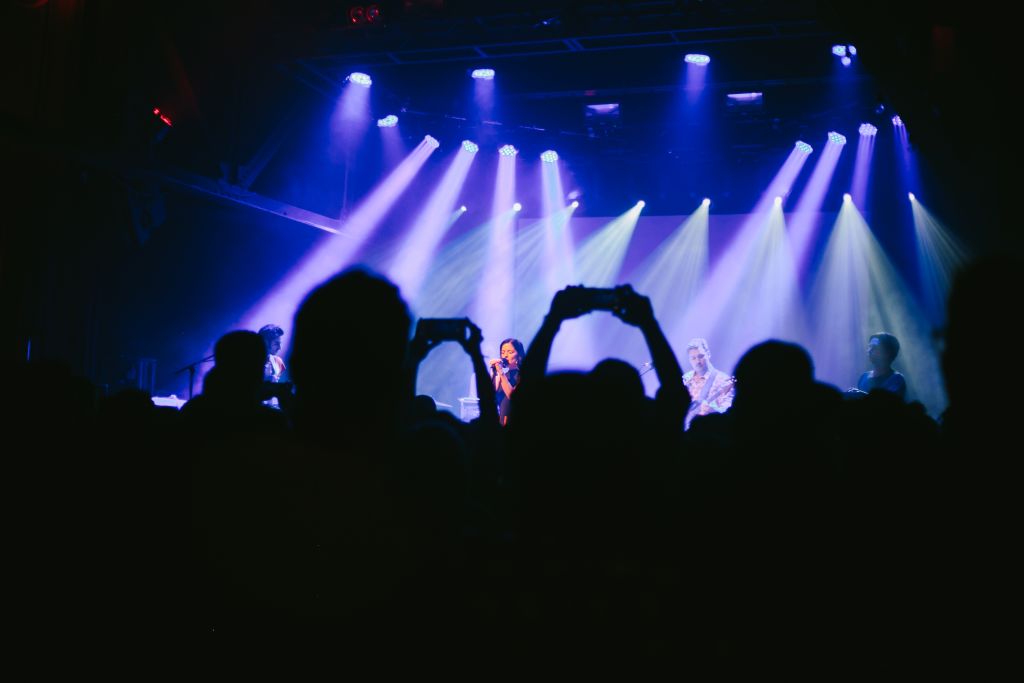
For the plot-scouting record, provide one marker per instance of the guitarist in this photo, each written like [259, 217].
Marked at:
[710, 390]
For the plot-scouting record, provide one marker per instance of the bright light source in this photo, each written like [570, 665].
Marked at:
[846, 61]
[778, 201]
[897, 121]
[550, 156]
[508, 151]
[575, 204]
[911, 196]
[517, 207]
[463, 208]
[745, 96]
[706, 202]
[641, 203]
[431, 141]
[483, 74]
[867, 130]
[839, 50]
[852, 50]
[389, 121]
[360, 79]
[804, 147]
[470, 146]
[847, 197]
[699, 60]
[836, 139]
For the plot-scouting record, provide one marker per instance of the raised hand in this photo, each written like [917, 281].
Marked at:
[420, 347]
[471, 343]
[567, 304]
[635, 309]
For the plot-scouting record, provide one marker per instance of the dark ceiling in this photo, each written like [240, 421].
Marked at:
[237, 76]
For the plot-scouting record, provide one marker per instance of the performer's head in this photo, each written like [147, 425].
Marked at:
[883, 349]
[272, 338]
[700, 355]
[512, 351]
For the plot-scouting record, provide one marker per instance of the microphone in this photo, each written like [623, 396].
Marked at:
[504, 363]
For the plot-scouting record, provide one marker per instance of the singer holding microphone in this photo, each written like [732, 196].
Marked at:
[505, 374]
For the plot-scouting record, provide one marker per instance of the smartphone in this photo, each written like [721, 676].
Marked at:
[443, 329]
[600, 299]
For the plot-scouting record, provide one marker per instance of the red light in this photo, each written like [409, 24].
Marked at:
[357, 15]
[165, 120]
[372, 13]
[156, 111]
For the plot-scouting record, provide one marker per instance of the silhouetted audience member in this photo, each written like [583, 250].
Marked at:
[982, 405]
[978, 499]
[796, 526]
[591, 485]
[231, 401]
[773, 378]
[621, 385]
[348, 361]
[348, 527]
[423, 408]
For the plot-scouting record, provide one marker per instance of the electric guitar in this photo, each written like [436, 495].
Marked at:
[726, 387]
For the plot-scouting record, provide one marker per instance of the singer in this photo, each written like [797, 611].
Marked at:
[505, 374]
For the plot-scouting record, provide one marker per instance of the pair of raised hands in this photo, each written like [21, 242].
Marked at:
[622, 301]
[433, 331]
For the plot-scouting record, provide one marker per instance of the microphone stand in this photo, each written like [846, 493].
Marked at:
[191, 367]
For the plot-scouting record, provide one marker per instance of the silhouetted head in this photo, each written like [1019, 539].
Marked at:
[981, 297]
[772, 372]
[619, 377]
[238, 369]
[622, 394]
[423, 407]
[240, 356]
[349, 345]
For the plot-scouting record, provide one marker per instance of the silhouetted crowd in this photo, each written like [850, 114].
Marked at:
[801, 526]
